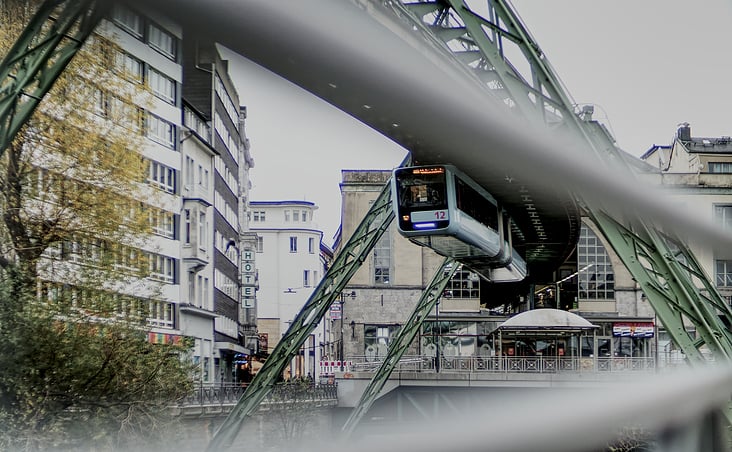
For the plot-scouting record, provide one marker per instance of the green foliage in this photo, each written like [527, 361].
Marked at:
[67, 384]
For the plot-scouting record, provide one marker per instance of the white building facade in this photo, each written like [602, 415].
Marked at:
[148, 53]
[197, 154]
[290, 266]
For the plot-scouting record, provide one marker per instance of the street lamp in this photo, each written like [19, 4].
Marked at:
[342, 302]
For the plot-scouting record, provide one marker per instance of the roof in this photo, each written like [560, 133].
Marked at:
[546, 319]
[282, 203]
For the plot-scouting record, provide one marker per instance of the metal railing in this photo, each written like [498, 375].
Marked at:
[211, 398]
[505, 364]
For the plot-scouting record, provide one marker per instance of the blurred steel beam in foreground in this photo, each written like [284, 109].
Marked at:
[675, 412]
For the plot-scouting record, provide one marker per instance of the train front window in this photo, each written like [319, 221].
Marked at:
[422, 191]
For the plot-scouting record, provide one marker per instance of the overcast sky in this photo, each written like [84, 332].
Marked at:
[646, 66]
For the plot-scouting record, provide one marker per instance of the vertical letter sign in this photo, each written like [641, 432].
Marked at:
[248, 276]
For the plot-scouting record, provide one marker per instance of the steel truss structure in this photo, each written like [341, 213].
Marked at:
[495, 46]
[348, 261]
[509, 63]
[401, 342]
[56, 32]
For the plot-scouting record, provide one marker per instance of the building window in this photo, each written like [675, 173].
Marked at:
[225, 284]
[162, 223]
[231, 110]
[198, 291]
[258, 215]
[204, 302]
[160, 131]
[101, 102]
[161, 314]
[162, 176]
[723, 216]
[130, 67]
[128, 20]
[202, 231]
[162, 41]
[304, 216]
[162, 268]
[720, 167]
[382, 260]
[596, 280]
[306, 278]
[311, 245]
[260, 244]
[377, 339]
[724, 273]
[190, 163]
[187, 226]
[295, 215]
[293, 244]
[463, 284]
[287, 216]
[162, 85]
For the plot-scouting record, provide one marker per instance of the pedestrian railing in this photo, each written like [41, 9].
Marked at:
[213, 399]
[501, 364]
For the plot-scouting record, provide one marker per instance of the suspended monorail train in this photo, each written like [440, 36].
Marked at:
[442, 208]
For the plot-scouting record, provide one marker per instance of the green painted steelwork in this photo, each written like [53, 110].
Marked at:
[347, 262]
[669, 275]
[401, 342]
[49, 42]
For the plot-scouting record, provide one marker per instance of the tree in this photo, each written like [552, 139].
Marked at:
[73, 172]
[77, 367]
[290, 412]
[72, 384]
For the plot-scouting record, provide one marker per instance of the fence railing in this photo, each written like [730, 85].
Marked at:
[504, 364]
[226, 395]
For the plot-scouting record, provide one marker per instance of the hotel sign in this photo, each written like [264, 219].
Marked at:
[248, 279]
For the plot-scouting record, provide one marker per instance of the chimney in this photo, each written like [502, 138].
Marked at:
[684, 132]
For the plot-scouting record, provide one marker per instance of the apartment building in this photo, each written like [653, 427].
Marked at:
[197, 154]
[290, 262]
[148, 53]
[209, 90]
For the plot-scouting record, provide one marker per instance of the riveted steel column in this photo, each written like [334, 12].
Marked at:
[347, 262]
[665, 278]
[401, 342]
[56, 32]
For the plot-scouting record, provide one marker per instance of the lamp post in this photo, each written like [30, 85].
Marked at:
[439, 332]
[342, 302]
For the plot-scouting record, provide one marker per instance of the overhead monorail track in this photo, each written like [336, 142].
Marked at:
[370, 63]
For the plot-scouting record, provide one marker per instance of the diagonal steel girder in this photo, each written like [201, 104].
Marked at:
[480, 42]
[45, 47]
[668, 278]
[348, 261]
[401, 342]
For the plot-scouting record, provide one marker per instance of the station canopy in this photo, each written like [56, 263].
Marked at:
[546, 320]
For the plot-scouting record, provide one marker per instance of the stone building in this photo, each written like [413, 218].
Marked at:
[383, 293]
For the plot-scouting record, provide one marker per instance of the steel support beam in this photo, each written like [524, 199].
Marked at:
[670, 281]
[348, 261]
[401, 342]
[56, 32]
